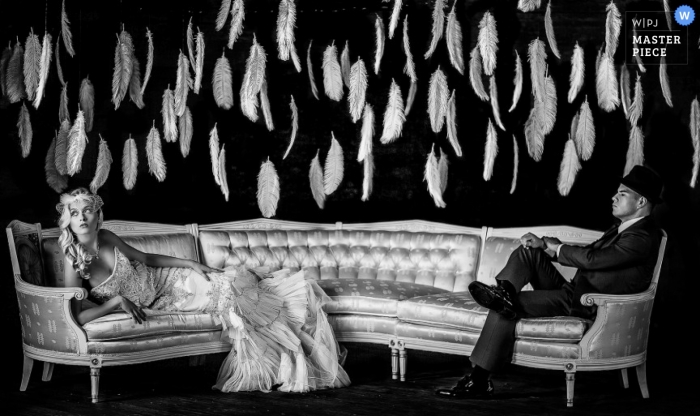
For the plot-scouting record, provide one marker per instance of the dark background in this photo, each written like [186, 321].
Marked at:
[190, 195]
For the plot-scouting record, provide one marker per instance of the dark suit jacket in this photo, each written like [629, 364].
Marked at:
[615, 264]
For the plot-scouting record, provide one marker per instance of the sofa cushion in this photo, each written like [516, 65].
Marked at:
[371, 296]
[138, 346]
[444, 310]
[344, 326]
[541, 349]
[557, 329]
[431, 333]
[120, 326]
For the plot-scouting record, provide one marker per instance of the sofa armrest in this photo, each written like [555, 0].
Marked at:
[600, 299]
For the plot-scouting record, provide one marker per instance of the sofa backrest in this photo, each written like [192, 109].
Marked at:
[420, 252]
[500, 242]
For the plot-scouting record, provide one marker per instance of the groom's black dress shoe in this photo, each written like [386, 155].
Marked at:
[495, 298]
[467, 389]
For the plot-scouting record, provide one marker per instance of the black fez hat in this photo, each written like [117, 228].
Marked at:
[645, 182]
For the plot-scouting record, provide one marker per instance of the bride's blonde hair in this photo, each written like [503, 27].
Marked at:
[75, 251]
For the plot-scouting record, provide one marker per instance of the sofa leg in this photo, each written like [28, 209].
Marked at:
[48, 371]
[642, 378]
[624, 378]
[26, 372]
[402, 364]
[94, 382]
[394, 364]
[570, 389]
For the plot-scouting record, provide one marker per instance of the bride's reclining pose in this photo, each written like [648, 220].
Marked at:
[280, 336]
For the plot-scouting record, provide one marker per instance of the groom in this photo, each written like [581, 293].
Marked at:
[621, 262]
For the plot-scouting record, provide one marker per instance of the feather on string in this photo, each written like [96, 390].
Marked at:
[332, 76]
[379, 42]
[613, 24]
[443, 169]
[149, 61]
[135, 85]
[130, 164]
[490, 151]
[32, 62]
[316, 181]
[570, 165]
[154, 153]
[368, 176]
[24, 127]
[528, 5]
[199, 62]
[517, 82]
[185, 127]
[367, 133]
[538, 66]
[393, 115]
[453, 37]
[295, 126]
[77, 141]
[625, 93]
[493, 92]
[87, 102]
[394, 21]
[223, 176]
[695, 136]
[265, 106]
[44, 65]
[63, 113]
[268, 189]
[438, 26]
[182, 85]
[237, 18]
[286, 22]
[15, 77]
[549, 28]
[310, 68]
[578, 69]
[345, 64]
[663, 79]
[222, 83]
[516, 160]
[358, 89]
[410, 68]
[61, 156]
[584, 137]
[65, 30]
[635, 151]
[59, 70]
[223, 14]
[488, 42]
[123, 66]
[637, 106]
[548, 115]
[334, 169]
[104, 163]
[432, 176]
[606, 84]
[437, 100]
[475, 71]
[55, 180]
[169, 118]
[451, 118]
[214, 153]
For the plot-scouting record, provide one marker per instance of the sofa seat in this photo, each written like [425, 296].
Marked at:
[556, 350]
[153, 342]
[371, 296]
[561, 329]
[119, 326]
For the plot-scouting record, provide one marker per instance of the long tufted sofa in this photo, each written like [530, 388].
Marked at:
[402, 284]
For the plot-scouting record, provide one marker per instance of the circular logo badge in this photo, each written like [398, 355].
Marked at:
[684, 15]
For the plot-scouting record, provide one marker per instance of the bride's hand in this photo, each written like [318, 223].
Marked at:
[129, 307]
[202, 269]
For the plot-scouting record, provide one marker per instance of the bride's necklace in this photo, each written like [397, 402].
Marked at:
[96, 256]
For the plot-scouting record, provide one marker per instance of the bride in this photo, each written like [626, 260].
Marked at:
[280, 336]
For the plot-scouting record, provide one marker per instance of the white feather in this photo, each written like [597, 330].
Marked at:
[475, 71]
[438, 26]
[516, 160]
[214, 153]
[663, 79]
[585, 132]
[26, 133]
[451, 118]
[488, 42]
[345, 64]
[367, 133]
[169, 119]
[625, 92]
[199, 62]
[222, 83]
[130, 163]
[77, 141]
[182, 85]
[410, 68]
[268, 189]
[695, 136]
[223, 14]
[578, 69]
[295, 126]
[606, 84]
[44, 66]
[149, 61]
[528, 5]
[394, 21]
[410, 98]
[186, 130]
[223, 176]
[379, 42]
[286, 23]
[538, 67]
[570, 165]
[154, 153]
[490, 151]
[443, 169]
[332, 75]
[316, 182]
[104, 163]
[393, 115]
[54, 179]
[310, 68]
[635, 151]
[253, 80]
[635, 46]
[358, 89]
[517, 81]
[265, 107]
[668, 13]
[613, 24]
[437, 100]
[453, 37]
[549, 29]
[368, 176]
[237, 18]
[637, 106]
[334, 169]
[432, 176]
[65, 29]
[493, 92]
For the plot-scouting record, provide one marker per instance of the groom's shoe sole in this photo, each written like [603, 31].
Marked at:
[492, 298]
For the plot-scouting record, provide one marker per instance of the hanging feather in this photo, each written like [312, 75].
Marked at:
[237, 17]
[358, 89]
[668, 13]
[63, 113]
[265, 106]
[253, 80]
[345, 65]
[4, 61]
[214, 154]
[123, 65]
[490, 151]
[437, 100]
[56, 181]
[453, 37]
[613, 24]
[636, 56]
[189, 38]
[149, 61]
[534, 136]
[367, 133]
[394, 21]
[268, 189]
[32, 62]
[295, 126]
[61, 156]
[585, 132]
[606, 84]
[517, 81]
[130, 164]
[412, 89]
[77, 141]
[528, 5]
[332, 76]
[222, 83]
[368, 177]
[65, 30]
[578, 69]
[334, 169]
[87, 102]
[635, 151]
[24, 126]
[393, 115]
[538, 66]
[493, 92]
[168, 113]
[475, 74]
[443, 168]
[185, 127]
[548, 113]
[432, 176]
[182, 85]
[516, 161]
[438, 26]
[44, 65]
[625, 92]
[154, 153]
[223, 177]
[316, 181]
[574, 127]
[410, 68]
[695, 136]
[665, 86]
[379, 43]
[199, 62]
[549, 28]
[635, 112]
[15, 77]
[310, 68]
[135, 85]
[488, 42]
[59, 70]
[104, 163]
[451, 117]
[286, 22]
[570, 165]
[223, 14]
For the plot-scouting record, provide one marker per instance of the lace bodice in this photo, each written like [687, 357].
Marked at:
[132, 280]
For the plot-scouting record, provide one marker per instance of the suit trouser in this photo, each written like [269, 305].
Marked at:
[551, 297]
